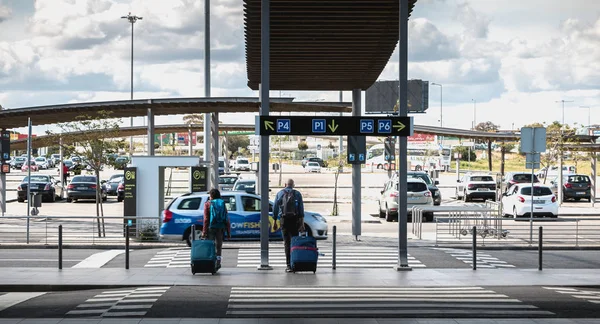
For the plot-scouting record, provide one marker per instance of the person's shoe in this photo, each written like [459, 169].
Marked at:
[218, 264]
[288, 269]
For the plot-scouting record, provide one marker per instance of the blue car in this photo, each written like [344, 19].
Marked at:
[244, 214]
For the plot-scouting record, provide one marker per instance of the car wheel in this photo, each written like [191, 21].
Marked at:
[466, 197]
[381, 212]
[73, 200]
[69, 199]
[188, 235]
[308, 230]
[379, 166]
[53, 197]
[388, 215]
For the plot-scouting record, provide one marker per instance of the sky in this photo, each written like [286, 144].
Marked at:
[510, 62]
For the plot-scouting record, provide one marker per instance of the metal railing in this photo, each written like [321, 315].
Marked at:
[78, 229]
[452, 212]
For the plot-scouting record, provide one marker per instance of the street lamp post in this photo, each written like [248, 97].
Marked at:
[589, 123]
[441, 106]
[563, 110]
[474, 113]
[132, 20]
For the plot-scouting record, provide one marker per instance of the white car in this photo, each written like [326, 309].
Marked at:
[42, 163]
[476, 186]
[418, 194]
[517, 201]
[242, 165]
[313, 167]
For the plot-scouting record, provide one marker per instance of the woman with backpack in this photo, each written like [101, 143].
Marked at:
[216, 222]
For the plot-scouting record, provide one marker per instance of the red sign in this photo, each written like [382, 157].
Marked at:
[5, 168]
[183, 138]
[419, 137]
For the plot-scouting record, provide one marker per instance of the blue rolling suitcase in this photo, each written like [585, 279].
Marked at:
[203, 256]
[304, 253]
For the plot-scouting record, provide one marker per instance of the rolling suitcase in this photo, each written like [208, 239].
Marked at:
[203, 256]
[304, 253]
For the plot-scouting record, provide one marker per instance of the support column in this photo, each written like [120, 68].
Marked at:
[214, 157]
[263, 174]
[341, 140]
[60, 168]
[190, 142]
[150, 132]
[489, 152]
[207, 116]
[356, 176]
[593, 189]
[225, 145]
[402, 141]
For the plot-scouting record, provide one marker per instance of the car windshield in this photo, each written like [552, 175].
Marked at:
[221, 164]
[313, 164]
[524, 177]
[227, 180]
[482, 178]
[244, 185]
[37, 179]
[242, 161]
[421, 176]
[415, 186]
[84, 179]
[115, 180]
[579, 179]
[537, 191]
[20, 159]
[68, 162]
[40, 159]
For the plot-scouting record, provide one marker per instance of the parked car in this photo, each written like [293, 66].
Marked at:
[49, 187]
[417, 195]
[69, 164]
[575, 186]
[18, 162]
[432, 185]
[55, 158]
[226, 182]
[42, 163]
[242, 165]
[31, 165]
[512, 178]
[305, 161]
[476, 186]
[517, 201]
[553, 171]
[247, 185]
[313, 167]
[112, 184]
[121, 162]
[84, 187]
[244, 214]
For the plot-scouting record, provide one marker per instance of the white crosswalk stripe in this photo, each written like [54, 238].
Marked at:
[346, 257]
[592, 296]
[170, 258]
[119, 303]
[483, 260]
[373, 301]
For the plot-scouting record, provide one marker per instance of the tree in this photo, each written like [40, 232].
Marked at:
[236, 141]
[193, 119]
[487, 126]
[302, 146]
[93, 134]
[464, 151]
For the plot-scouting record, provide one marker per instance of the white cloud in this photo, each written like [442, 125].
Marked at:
[5, 13]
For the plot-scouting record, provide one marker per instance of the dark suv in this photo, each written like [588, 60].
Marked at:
[576, 187]
[431, 185]
[322, 163]
[517, 177]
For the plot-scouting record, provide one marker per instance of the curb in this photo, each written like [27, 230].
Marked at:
[66, 287]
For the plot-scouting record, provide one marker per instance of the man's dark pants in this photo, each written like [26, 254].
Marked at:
[289, 228]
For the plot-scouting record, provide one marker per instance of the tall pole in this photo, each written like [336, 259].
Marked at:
[441, 107]
[341, 140]
[402, 141]
[563, 110]
[207, 117]
[474, 113]
[589, 123]
[132, 20]
[29, 204]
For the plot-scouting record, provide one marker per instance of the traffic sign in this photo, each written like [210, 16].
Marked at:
[332, 125]
[357, 149]
[351, 157]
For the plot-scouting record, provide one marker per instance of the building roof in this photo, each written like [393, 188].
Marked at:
[323, 44]
[44, 115]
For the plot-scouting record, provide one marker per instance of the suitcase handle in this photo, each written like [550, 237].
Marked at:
[303, 234]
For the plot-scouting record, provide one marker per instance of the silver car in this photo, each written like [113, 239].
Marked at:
[418, 194]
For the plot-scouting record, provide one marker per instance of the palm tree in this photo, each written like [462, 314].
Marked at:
[193, 119]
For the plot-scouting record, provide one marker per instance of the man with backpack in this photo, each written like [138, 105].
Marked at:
[289, 208]
[216, 222]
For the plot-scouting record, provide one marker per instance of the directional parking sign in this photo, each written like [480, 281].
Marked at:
[329, 125]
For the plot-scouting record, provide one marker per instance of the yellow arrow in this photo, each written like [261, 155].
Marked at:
[333, 127]
[400, 126]
[269, 125]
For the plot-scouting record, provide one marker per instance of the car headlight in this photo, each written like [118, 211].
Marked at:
[319, 218]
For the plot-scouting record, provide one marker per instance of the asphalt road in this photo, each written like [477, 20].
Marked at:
[373, 302]
[348, 256]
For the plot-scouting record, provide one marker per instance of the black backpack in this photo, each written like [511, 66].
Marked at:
[288, 204]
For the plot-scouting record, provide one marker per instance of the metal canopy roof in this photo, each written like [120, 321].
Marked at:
[43, 115]
[323, 44]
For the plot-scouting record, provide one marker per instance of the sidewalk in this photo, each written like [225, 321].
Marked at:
[44, 279]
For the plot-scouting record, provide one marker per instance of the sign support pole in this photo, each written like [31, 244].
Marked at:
[3, 193]
[532, 176]
[263, 179]
[29, 204]
[402, 141]
[356, 175]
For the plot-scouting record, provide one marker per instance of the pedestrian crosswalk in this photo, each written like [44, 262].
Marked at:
[374, 301]
[346, 257]
[119, 303]
[10, 299]
[170, 258]
[483, 260]
[592, 296]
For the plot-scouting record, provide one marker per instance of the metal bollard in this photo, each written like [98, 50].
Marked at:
[127, 247]
[540, 248]
[474, 247]
[333, 261]
[60, 258]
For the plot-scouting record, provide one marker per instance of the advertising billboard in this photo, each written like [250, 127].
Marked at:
[382, 97]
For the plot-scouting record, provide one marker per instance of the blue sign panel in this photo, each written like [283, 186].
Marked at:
[284, 126]
[367, 126]
[319, 126]
[384, 126]
[6, 155]
[351, 157]
[361, 157]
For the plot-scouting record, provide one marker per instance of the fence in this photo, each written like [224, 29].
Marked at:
[78, 229]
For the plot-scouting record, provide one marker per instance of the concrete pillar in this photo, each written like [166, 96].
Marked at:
[356, 176]
[593, 189]
[214, 156]
[190, 142]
